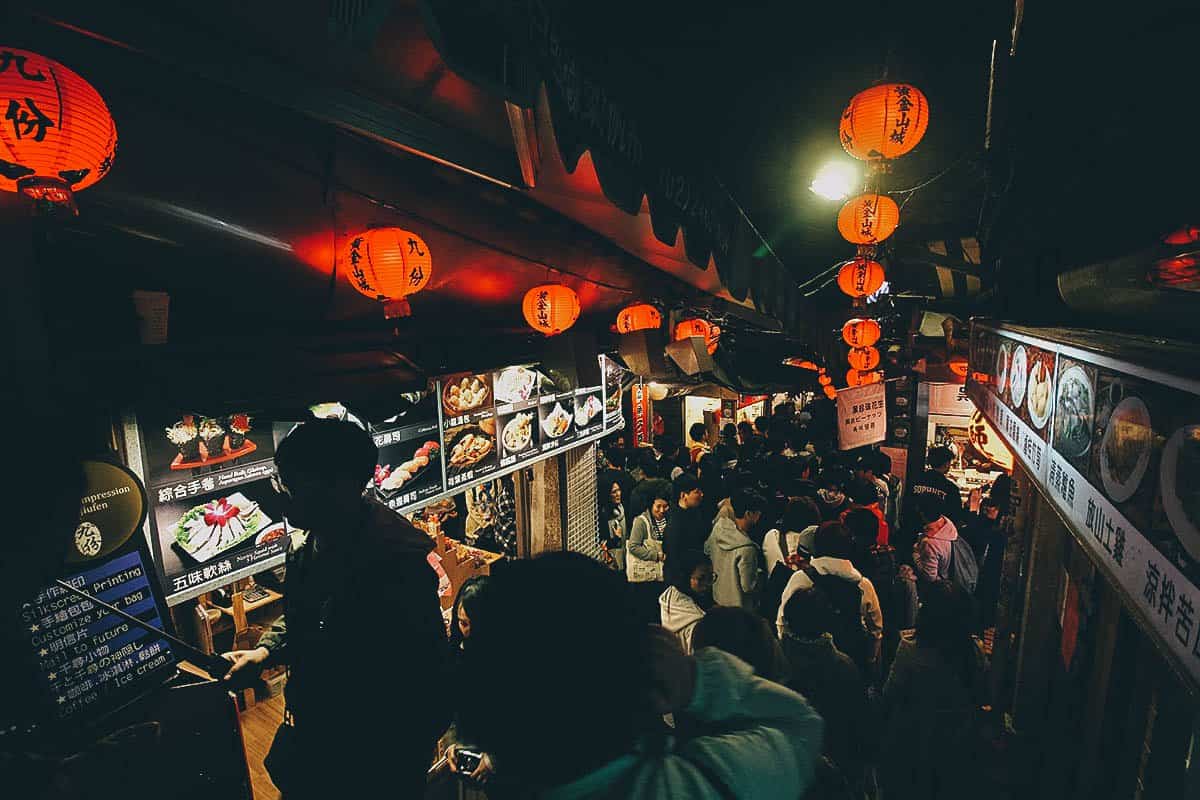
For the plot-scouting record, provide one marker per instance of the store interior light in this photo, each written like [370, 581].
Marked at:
[835, 181]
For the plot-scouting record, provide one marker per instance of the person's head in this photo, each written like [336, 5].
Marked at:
[710, 467]
[470, 606]
[729, 432]
[743, 634]
[832, 541]
[864, 467]
[804, 465]
[691, 572]
[863, 527]
[698, 432]
[929, 508]
[556, 592]
[1001, 492]
[660, 502]
[808, 614]
[800, 514]
[939, 459]
[616, 457]
[614, 494]
[863, 493]
[883, 463]
[688, 493]
[323, 466]
[831, 486]
[989, 509]
[748, 507]
[649, 463]
[724, 453]
[762, 425]
[945, 621]
[745, 431]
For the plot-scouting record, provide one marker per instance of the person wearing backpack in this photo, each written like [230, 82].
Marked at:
[935, 543]
[857, 617]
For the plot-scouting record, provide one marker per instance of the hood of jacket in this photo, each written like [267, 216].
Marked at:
[726, 535]
[678, 610]
[838, 567]
[941, 529]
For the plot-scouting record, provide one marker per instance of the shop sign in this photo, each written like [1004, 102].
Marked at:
[950, 399]
[641, 415]
[1116, 447]
[862, 415]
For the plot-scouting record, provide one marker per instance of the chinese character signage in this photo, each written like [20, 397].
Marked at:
[1120, 459]
[409, 467]
[640, 400]
[862, 416]
[614, 376]
[88, 660]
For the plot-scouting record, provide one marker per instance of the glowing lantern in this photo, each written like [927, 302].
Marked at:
[958, 365]
[640, 317]
[57, 136]
[802, 364]
[861, 332]
[824, 380]
[698, 327]
[856, 377]
[860, 277]
[884, 121]
[551, 308]
[863, 358]
[831, 392]
[388, 264]
[1185, 235]
[868, 218]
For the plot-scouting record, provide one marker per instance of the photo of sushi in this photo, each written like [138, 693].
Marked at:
[212, 436]
[185, 436]
[209, 529]
[238, 426]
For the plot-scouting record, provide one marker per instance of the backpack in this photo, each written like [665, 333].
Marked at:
[845, 598]
[964, 569]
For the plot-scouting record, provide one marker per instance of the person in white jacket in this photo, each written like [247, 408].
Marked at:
[797, 530]
[831, 557]
[736, 559]
[688, 596]
[555, 735]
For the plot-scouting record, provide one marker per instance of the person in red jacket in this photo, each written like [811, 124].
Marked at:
[862, 494]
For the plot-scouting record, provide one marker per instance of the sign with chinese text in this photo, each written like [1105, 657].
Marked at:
[87, 660]
[862, 416]
[951, 399]
[641, 414]
[1116, 447]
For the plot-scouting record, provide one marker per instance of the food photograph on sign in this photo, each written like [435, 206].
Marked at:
[467, 393]
[471, 448]
[413, 465]
[519, 433]
[193, 441]
[614, 376]
[588, 410]
[515, 385]
[556, 418]
[1074, 415]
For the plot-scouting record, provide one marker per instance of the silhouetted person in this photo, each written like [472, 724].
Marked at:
[687, 529]
[743, 634]
[359, 592]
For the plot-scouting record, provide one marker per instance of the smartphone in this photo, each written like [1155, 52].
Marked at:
[467, 761]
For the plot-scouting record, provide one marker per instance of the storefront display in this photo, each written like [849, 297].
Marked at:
[1115, 447]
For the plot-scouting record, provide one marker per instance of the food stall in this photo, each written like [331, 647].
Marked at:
[1106, 433]
[954, 422]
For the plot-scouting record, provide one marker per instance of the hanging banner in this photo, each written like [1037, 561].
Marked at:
[1116, 447]
[641, 415]
[862, 416]
[950, 399]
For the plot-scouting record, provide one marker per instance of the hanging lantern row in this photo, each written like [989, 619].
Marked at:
[824, 380]
[855, 377]
[551, 308]
[388, 264]
[863, 358]
[860, 277]
[703, 328]
[57, 136]
[884, 122]
[868, 219]
[861, 332]
[640, 317]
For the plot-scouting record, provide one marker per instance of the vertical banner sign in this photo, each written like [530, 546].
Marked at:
[1115, 446]
[641, 415]
[862, 416]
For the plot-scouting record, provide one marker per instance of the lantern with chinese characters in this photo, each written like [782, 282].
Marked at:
[958, 365]
[699, 327]
[861, 332]
[640, 317]
[388, 264]
[830, 392]
[856, 377]
[860, 277]
[863, 358]
[57, 136]
[884, 121]
[868, 219]
[824, 379]
[551, 308]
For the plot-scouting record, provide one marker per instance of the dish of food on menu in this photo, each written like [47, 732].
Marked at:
[518, 433]
[557, 422]
[272, 534]
[1073, 420]
[1002, 361]
[586, 411]
[1125, 449]
[1180, 489]
[465, 395]
[1040, 392]
[208, 530]
[389, 479]
[1018, 375]
[472, 446]
[516, 385]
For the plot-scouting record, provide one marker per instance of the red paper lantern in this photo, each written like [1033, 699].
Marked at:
[831, 392]
[958, 365]
[861, 332]
[863, 358]
[551, 308]
[868, 218]
[884, 121]
[640, 317]
[57, 136]
[856, 377]
[860, 277]
[388, 264]
[824, 380]
[699, 327]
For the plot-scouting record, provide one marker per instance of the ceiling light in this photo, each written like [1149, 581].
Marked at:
[835, 181]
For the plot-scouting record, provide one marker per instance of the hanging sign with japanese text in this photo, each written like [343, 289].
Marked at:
[862, 415]
[641, 414]
[1116, 448]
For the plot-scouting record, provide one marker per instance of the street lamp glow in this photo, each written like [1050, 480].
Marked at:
[835, 181]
